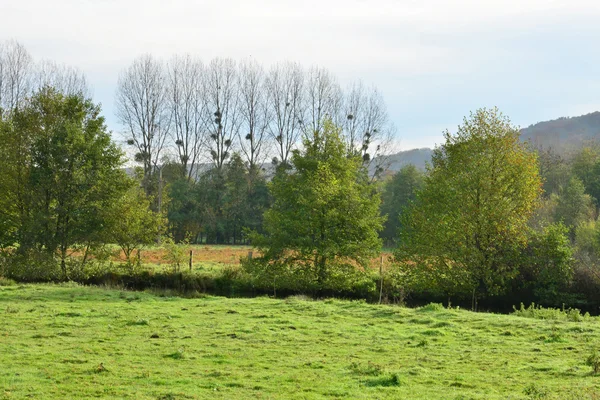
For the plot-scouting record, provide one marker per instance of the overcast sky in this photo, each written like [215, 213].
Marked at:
[433, 60]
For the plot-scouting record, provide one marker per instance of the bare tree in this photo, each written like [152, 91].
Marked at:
[186, 105]
[284, 86]
[221, 116]
[141, 106]
[65, 79]
[15, 75]
[254, 112]
[366, 127]
[323, 98]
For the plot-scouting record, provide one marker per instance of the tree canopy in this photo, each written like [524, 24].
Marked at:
[469, 222]
[61, 171]
[324, 209]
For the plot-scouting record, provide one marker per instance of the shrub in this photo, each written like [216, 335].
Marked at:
[539, 312]
[176, 255]
[593, 361]
[32, 266]
[432, 307]
[6, 282]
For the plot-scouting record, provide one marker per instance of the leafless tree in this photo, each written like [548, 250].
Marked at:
[221, 116]
[186, 105]
[284, 87]
[254, 112]
[15, 74]
[323, 98]
[65, 79]
[367, 129]
[141, 106]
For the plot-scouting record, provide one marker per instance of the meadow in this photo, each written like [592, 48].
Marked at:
[70, 342]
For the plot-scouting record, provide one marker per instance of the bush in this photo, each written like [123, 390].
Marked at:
[6, 282]
[548, 265]
[539, 312]
[279, 278]
[593, 361]
[432, 307]
[176, 255]
[32, 266]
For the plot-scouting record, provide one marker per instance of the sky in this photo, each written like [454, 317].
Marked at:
[434, 61]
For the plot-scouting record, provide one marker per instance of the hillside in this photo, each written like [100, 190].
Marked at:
[563, 134]
[417, 157]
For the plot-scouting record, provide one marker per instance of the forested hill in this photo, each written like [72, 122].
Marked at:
[564, 134]
[417, 157]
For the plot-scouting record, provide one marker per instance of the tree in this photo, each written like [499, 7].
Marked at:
[548, 264]
[554, 171]
[142, 109]
[64, 79]
[235, 200]
[366, 127]
[64, 172]
[324, 211]
[186, 106]
[131, 223]
[323, 100]
[398, 193]
[183, 210]
[468, 224]
[573, 205]
[15, 75]
[221, 109]
[285, 87]
[254, 112]
[586, 166]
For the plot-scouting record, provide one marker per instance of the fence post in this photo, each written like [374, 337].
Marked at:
[249, 255]
[191, 259]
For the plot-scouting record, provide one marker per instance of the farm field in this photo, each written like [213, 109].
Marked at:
[209, 257]
[73, 342]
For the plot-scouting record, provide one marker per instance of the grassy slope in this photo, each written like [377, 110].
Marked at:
[54, 338]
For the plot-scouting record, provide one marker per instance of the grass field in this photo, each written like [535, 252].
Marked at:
[73, 342]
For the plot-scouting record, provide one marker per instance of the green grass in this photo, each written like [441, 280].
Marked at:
[73, 342]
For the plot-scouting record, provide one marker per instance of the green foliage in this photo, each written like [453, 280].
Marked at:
[176, 255]
[573, 206]
[534, 392]
[586, 166]
[325, 212]
[183, 210]
[593, 361]
[230, 200]
[398, 193]
[132, 224]
[432, 307]
[554, 314]
[60, 170]
[468, 225]
[555, 172]
[547, 264]
[7, 282]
